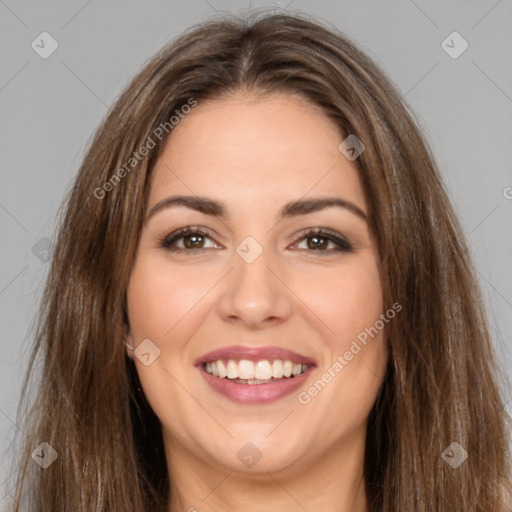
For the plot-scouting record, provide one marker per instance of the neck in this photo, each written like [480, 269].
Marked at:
[332, 482]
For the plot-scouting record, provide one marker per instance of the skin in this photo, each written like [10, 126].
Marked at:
[255, 154]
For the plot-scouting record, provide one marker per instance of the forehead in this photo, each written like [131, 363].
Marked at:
[252, 149]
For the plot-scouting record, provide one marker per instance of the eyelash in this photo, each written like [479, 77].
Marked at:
[342, 244]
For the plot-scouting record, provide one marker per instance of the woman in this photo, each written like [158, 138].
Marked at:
[260, 297]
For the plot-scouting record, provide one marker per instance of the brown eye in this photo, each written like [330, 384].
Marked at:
[192, 239]
[319, 240]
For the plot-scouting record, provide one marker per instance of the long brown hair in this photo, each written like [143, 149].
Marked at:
[441, 383]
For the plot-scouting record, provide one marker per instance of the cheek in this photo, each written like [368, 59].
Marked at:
[350, 375]
[346, 301]
[163, 306]
[349, 304]
[158, 299]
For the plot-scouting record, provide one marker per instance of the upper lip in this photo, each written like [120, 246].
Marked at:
[238, 352]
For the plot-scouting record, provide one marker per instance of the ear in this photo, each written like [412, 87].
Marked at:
[128, 338]
[128, 342]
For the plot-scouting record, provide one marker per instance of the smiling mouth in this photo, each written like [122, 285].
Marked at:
[244, 371]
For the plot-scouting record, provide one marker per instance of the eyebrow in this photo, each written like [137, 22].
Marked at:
[211, 207]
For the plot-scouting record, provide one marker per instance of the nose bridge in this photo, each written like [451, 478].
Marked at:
[252, 279]
[252, 262]
[253, 293]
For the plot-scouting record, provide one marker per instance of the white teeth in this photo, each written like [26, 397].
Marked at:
[246, 369]
[221, 369]
[254, 372]
[277, 369]
[263, 370]
[232, 370]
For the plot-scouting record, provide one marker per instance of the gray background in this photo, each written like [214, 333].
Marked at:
[50, 108]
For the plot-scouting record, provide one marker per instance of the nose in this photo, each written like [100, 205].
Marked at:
[255, 294]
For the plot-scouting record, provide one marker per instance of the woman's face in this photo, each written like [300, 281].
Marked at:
[220, 318]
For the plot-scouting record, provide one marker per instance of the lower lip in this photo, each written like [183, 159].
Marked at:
[255, 394]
